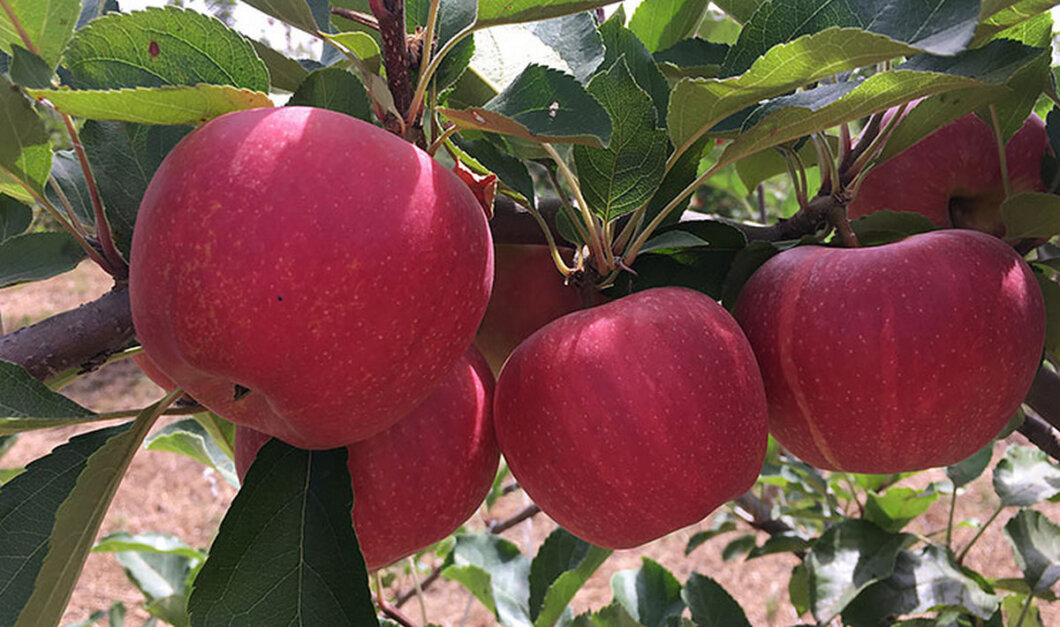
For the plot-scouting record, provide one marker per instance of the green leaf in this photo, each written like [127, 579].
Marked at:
[47, 23]
[36, 256]
[70, 177]
[662, 23]
[799, 589]
[29, 70]
[721, 522]
[740, 10]
[846, 559]
[1031, 215]
[692, 58]
[1051, 293]
[786, 542]
[286, 552]
[933, 113]
[612, 615]
[154, 105]
[998, 15]
[576, 40]
[187, 437]
[695, 254]
[336, 89]
[739, 547]
[1012, 607]
[620, 178]
[49, 517]
[454, 17]
[764, 165]
[494, 571]
[293, 12]
[711, 605]
[650, 594]
[621, 43]
[26, 403]
[162, 47]
[284, 73]
[921, 581]
[91, 9]
[25, 152]
[541, 105]
[15, 218]
[1036, 546]
[148, 542]
[160, 566]
[1025, 476]
[882, 227]
[895, 508]
[490, 158]
[124, 157]
[361, 45]
[944, 28]
[562, 566]
[968, 469]
[1025, 85]
[494, 12]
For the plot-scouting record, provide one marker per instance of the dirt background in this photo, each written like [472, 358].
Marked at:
[172, 494]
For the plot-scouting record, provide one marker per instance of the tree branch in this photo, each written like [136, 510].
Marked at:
[390, 15]
[1044, 396]
[1042, 435]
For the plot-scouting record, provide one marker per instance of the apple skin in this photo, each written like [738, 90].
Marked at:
[953, 176]
[334, 270]
[635, 418]
[528, 293]
[898, 357]
[416, 482]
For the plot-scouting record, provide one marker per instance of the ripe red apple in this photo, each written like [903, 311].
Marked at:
[953, 176]
[632, 419]
[416, 482]
[897, 357]
[307, 274]
[528, 293]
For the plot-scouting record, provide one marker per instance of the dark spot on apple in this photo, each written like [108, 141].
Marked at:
[279, 298]
[239, 392]
[152, 49]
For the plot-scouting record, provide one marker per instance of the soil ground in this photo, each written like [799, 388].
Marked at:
[172, 494]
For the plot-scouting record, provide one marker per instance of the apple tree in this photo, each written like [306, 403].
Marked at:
[766, 259]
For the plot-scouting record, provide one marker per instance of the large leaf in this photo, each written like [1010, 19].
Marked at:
[494, 571]
[25, 152]
[1031, 215]
[286, 552]
[26, 403]
[662, 23]
[542, 104]
[968, 469]
[154, 105]
[124, 157]
[711, 605]
[562, 566]
[336, 89]
[493, 12]
[1036, 545]
[618, 179]
[1025, 476]
[50, 514]
[650, 594]
[845, 560]
[47, 24]
[159, 47]
[921, 581]
[188, 437]
[622, 43]
[36, 256]
[944, 27]
[998, 15]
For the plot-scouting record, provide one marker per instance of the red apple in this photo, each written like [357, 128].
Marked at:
[953, 176]
[307, 274]
[152, 372]
[897, 357]
[632, 419]
[419, 480]
[528, 293]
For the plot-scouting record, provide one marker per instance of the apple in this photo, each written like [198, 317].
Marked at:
[898, 357]
[152, 372]
[306, 274]
[528, 293]
[416, 482]
[953, 176]
[635, 418]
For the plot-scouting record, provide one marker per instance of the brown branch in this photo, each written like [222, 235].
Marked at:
[356, 16]
[1044, 396]
[391, 17]
[1042, 435]
[82, 337]
[820, 213]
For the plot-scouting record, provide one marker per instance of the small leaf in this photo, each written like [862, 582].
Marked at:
[26, 403]
[156, 105]
[721, 522]
[29, 70]
[25, 152]
[1036, 545]
[36, 256]
[335, 89]
[1025, 476]
[894, 509]
[286, 552]
[47, 23]
[159, 565]
[559, 570]
[187, 437]
[650, 594]
[149, 542]
[1051, 293]
[541, 105]
[1031, 215]
[739, 547]
[968, 469]
[491, 158]
[494, 571]
[162, 47]
[882, 227]
[846, 559]
[921, 581]
[786, 542]
[494, 12]
[284, 73]
[799, 589]
[293, 12]
[692, 58]
[361, 45]
[15, 218]
[711, 605]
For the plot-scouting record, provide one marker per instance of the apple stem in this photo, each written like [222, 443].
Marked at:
[1002, 157]
[600, 251]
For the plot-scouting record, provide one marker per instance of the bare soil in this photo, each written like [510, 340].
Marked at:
[172, 494]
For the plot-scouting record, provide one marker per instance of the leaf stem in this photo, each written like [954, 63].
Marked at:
[437, 143]
[1026, 605]
[90, 250]
[949, 521]
[604, 264]
[67, 207]
[419, 590]
[979, 533]
[427, 73]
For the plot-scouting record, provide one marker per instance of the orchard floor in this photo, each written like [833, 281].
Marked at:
[171, 494]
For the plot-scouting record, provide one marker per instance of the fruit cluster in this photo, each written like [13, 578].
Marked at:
[312, 278]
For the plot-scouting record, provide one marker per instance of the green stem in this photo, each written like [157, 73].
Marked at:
[979, 533]
[1023, 611]
[949, 522]
[432, 67]
[71, 215]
